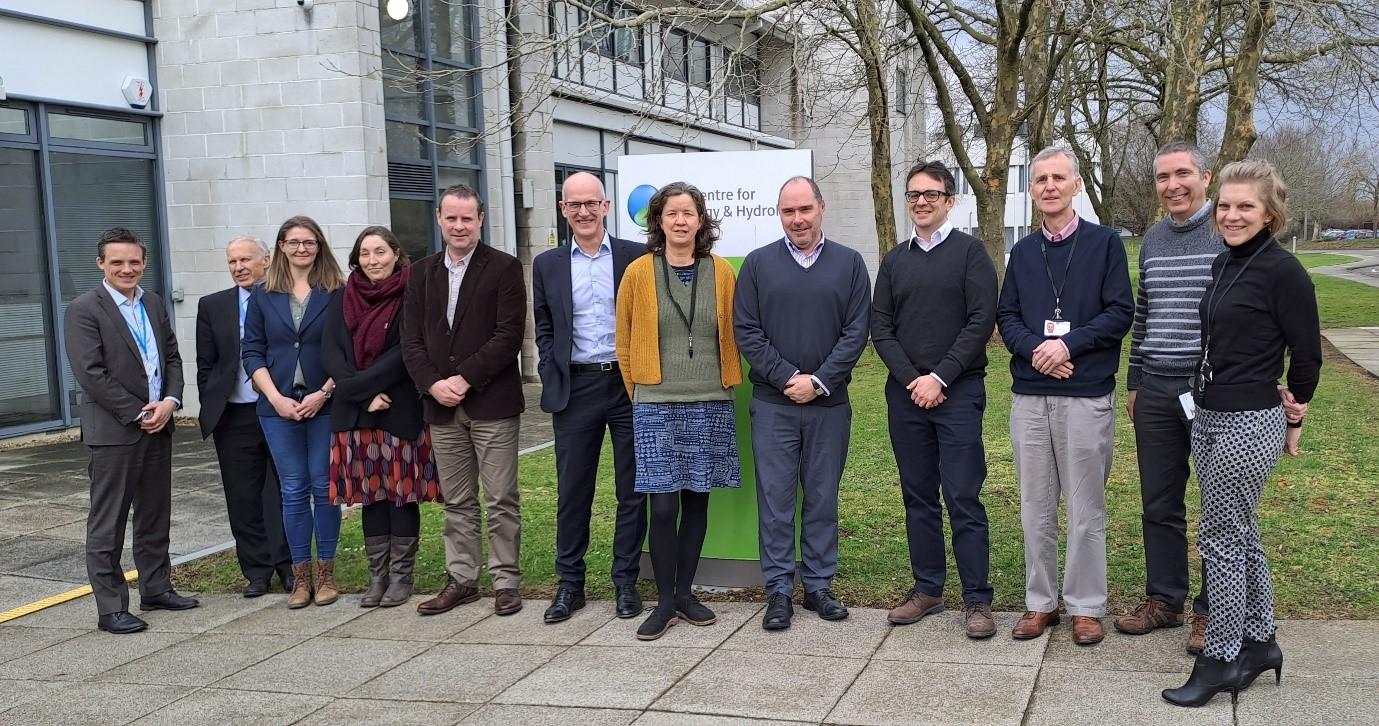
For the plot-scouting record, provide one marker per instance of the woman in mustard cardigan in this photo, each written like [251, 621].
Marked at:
[679, 362]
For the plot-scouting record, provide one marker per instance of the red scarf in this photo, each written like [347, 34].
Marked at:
[369, 310]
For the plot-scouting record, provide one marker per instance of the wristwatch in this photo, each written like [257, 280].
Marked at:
[818, 388]
[327, 394]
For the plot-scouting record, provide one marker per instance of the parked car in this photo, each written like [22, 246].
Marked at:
[1333, 234]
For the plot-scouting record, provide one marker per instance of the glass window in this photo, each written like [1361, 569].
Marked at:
[673, 56]
[902, 93]
[96, 128]
[413, 221]
[402, 88]
[742, 80]
[14, 121]
[404, 34]
[30, 393]
[627, 42]
[456, 146]
[406, 141]
[448, 177]
[451, 35]
[700, 67]
[456, 99]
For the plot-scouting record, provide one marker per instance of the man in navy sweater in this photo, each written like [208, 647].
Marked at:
[800, 317]
[1065, 307]
[933, 314]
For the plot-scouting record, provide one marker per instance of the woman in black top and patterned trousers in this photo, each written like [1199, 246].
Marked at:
[1259, 304]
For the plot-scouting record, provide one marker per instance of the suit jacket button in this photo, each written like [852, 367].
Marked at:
[296, 345]
[452, 359]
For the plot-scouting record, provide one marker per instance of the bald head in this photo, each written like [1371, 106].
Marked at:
[582, 183]
[584, 206]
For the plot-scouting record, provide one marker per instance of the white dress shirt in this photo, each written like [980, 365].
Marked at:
[243, 391]
[456, 270]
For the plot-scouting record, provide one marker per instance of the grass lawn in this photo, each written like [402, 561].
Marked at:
[1319, 516]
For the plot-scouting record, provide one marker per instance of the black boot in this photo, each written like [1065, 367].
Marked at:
[1256, 658]
[1209, 677]
[377, 550]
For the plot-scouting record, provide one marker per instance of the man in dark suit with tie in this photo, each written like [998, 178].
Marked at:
[464, 316]
[123, 352]
[252, 499]
[573, 290]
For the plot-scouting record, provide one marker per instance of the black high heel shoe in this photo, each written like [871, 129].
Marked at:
[1257, 658]
[1209, 677]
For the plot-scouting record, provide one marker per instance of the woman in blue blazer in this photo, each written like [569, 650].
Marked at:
[282, 356]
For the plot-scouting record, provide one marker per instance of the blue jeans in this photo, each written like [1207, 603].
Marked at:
[301, 453]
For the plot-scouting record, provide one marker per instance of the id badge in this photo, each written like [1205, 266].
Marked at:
[1057, 328]
[1189, 404]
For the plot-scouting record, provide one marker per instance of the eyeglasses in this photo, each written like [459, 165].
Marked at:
[593, 205]
[930, 195]
[292, 245]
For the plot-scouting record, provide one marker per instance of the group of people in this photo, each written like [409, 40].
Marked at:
[397, 384]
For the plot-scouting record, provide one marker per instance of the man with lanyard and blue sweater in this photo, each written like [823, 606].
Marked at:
[1065, 306]
[800, 317]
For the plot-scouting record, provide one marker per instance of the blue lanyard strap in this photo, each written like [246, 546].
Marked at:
[142, 334]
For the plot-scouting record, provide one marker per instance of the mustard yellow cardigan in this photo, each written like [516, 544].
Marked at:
[638, 339]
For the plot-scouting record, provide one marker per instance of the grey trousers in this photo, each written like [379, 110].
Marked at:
[799, 448]
[1063, 446]
[137, 475]
[466, 451]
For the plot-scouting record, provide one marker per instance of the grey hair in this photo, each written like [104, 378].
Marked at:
[1194, 152]
[263, 248]
[1053, 151]
[813, 187]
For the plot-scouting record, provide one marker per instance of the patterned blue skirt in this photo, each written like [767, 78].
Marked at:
[685, 446]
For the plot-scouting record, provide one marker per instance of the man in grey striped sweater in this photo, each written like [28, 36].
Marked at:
[1165, 340]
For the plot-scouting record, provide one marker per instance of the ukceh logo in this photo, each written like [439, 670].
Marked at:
[638, 202]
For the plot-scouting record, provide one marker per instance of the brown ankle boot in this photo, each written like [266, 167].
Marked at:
[325, 582]
[301, 585]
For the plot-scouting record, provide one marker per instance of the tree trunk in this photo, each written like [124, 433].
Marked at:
[879, 121]
[1239, 134]
[1182, 90]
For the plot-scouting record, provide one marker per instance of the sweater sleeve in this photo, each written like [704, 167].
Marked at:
[980, 293]
[751, 338]
[1019, 339]
[1138, 330]
[1108, 327]
[848, 349]
[883, 327]
[1295, 308]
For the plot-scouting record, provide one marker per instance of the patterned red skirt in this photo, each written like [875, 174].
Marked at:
[372, 465]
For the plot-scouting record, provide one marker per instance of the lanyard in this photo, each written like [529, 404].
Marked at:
[142, 335]
[688, 320]
[1214, 302]
[1058, 289]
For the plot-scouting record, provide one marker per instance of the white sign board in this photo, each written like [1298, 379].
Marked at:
[740, 188]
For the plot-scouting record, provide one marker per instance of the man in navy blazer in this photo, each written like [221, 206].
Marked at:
[573, 292]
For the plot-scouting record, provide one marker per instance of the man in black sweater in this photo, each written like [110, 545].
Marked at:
[800, 318]
[1064, 309]
[934, 310]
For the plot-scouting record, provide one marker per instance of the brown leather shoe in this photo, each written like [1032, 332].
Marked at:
[1087, 630]
[916, 606]
[1148, 616]
[977, 620]
[326, 592]
[1033, 624]
[1197, 639]
[301, 586]
[506, 601]
[449, 598]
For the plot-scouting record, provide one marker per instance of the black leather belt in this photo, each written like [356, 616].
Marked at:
[609, 367]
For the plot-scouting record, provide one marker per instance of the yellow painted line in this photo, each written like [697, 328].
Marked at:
[57, 599]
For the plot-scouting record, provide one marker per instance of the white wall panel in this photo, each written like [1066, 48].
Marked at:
[123, 15]
[70, 65]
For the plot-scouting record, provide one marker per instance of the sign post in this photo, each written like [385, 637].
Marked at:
[740, 189]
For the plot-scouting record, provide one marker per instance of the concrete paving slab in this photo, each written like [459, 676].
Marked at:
[216, 609]
[20, 692]
[1161, 651]
[242, 708]
[459, 672]
[403, 623]
[90, 703]
[1309, 700]
[1347, 649]
[388, 713]
[1080, 697]
[308, 621]
[36, 517]
[79, 614]
[87, 655]
[604, 676]
[856, 637]
[667, 718]
[17, 641]
[17, 591]
[299, 668]
[527, 627]
[498, 715]
[954, 694]
[22, 552]
[76, 531]
[201, 660]
[731, 616]
[941, 639]
[71, 567]
[763, 685]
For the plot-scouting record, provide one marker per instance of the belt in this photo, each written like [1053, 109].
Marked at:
[609, 367]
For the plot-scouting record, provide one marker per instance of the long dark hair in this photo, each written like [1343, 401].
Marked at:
[708, 226]
[387, 236]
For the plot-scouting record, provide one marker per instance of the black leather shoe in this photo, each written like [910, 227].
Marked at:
[566, 601]
[121, 623]
[256, 588]
[285, 576]
[825, 604]
[1209, 677]
[779, 610]
[629, 601]
[169, 600]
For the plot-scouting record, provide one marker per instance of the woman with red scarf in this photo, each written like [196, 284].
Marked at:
[381, 453]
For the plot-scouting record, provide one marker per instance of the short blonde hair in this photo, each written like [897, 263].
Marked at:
[1273, 192]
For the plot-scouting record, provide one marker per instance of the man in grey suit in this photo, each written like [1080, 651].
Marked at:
[573, 292]
[123, 352]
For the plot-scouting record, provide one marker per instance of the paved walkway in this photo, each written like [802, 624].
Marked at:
[1364, 271]
[45, 495]
[1360, 345]
[255, 662]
